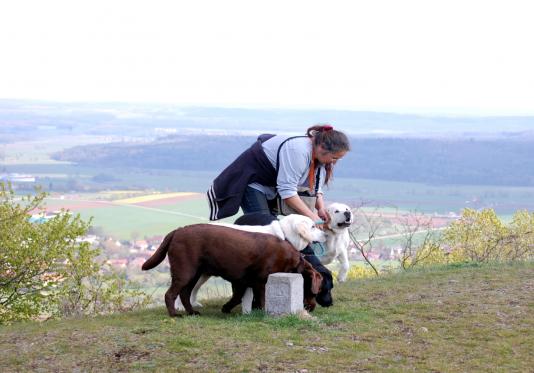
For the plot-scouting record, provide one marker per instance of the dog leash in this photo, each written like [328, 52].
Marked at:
[318, 249]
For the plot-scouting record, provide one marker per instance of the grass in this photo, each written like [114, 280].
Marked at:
[464, 318]
[123, 221]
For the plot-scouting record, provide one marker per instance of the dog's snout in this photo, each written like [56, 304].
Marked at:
[347, 215]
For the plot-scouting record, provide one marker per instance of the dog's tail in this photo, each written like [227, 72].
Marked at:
[160, 253]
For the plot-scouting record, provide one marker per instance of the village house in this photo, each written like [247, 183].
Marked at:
[118, 263]
[140, 244]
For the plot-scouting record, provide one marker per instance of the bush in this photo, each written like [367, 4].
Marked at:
[357, 272]
[480, 236]
[477, 236]
[46, 271]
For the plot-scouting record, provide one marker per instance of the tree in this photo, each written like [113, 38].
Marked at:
[478, 235]
[520, 243]
[481, 236]
[45, 270]
[368, 225]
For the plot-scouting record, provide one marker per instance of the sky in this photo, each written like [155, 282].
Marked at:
[422, 56]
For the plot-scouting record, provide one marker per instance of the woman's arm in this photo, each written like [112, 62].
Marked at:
[321, 211]
[296, 204]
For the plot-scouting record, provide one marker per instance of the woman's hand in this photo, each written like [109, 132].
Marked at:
[298, 205]
[321, 211]
[324, 215]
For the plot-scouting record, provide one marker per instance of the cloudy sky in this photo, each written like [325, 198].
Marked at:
[430, 56]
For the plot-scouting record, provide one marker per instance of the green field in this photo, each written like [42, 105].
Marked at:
[66, 175]
[126, 221]
[123, 221]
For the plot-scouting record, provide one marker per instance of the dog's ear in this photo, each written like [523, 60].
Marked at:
[304, 232]
[300, 267]
[315, 278]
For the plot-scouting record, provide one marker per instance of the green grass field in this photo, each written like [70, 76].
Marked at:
[468, 318]
[125, 221]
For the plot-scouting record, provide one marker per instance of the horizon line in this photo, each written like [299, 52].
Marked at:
[424, 112]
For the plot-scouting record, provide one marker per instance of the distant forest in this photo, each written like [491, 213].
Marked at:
[432, 161]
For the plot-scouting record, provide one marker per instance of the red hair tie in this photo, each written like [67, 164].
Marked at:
[327, 128]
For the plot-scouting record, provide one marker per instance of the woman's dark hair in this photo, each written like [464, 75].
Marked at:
[330, 140]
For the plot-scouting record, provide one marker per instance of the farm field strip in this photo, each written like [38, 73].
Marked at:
[123, 204]
[155, 197]
[167, 212]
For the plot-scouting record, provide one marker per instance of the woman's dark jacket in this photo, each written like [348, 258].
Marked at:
[252, 166]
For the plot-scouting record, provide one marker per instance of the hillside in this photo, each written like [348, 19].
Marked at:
[466, 318]
[505, 162]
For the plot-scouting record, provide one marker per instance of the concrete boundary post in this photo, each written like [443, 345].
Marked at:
[284, 293]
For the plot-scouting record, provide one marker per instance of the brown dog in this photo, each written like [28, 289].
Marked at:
[246, 259]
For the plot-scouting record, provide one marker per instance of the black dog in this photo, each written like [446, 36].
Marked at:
[324, 298]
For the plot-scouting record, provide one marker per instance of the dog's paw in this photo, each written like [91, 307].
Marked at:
[305, 315]
[309, 304]
[194, 313]
[197, 304]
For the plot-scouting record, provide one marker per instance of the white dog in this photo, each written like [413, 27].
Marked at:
[337, 238]
[299, 230]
